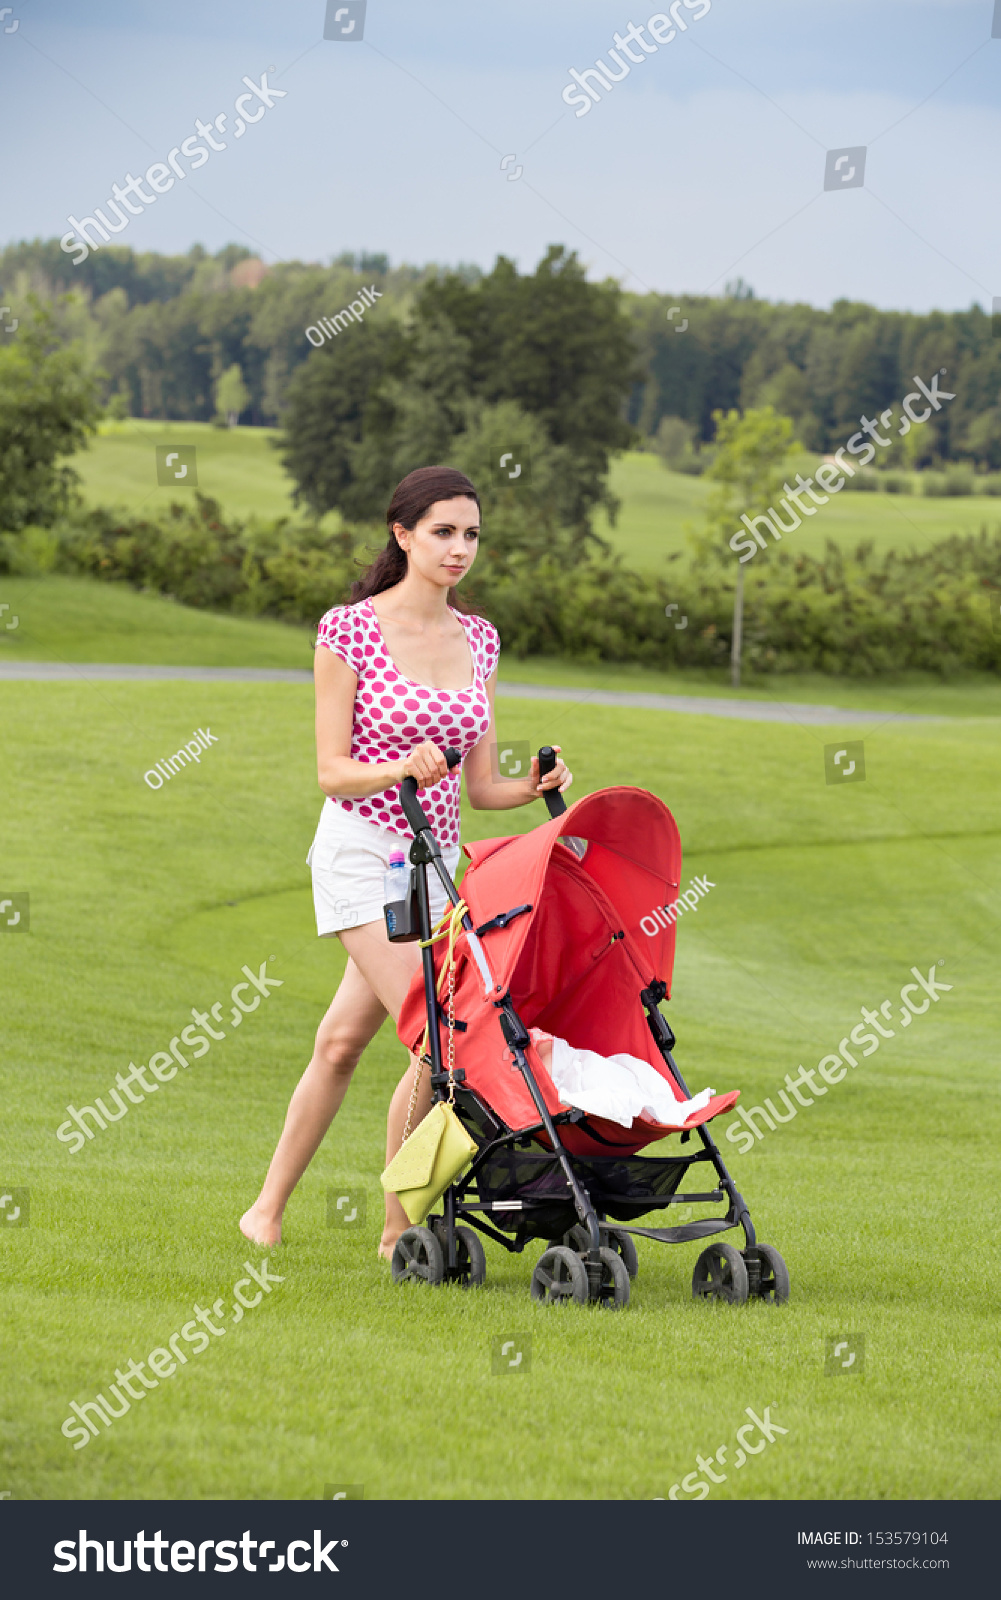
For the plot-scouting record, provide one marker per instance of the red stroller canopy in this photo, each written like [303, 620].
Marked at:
[576, 962]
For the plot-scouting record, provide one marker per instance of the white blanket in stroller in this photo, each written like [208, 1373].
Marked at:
[620, 1087]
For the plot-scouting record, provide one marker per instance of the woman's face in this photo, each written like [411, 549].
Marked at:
[442, 546]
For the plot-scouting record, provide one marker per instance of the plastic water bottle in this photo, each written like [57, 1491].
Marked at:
[397, 879]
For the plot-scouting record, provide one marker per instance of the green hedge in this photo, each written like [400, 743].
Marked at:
[850, 614]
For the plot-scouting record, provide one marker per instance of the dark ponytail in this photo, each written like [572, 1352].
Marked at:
[412, 498]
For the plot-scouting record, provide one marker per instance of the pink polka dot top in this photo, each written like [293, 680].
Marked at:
[392, 713]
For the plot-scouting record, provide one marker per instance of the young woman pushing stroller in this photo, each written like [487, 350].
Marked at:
[402, 673]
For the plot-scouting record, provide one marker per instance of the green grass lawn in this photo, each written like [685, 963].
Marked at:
[236, 466]
[239, 467]
[881, 1197]
[657, 504]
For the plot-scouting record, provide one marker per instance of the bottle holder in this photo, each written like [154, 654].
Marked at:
[402, 918]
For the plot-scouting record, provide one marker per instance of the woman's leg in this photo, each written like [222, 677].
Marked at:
[352, 1020]
[389, 968]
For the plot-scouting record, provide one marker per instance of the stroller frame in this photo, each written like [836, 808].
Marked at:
[593, 1239]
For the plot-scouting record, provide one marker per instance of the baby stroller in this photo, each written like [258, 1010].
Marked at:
[550, 937]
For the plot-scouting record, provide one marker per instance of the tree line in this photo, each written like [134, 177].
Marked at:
[163, 330]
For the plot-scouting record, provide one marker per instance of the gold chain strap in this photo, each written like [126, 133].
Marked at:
[451, 1028]
[423, 1060]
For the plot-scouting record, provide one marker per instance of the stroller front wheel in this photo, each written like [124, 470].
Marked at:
[559, 1276]
[418, 1257]
[720, 1274]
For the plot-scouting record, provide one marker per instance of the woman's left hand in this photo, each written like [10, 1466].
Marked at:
[560, 778]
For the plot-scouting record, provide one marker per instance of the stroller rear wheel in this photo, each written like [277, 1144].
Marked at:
[720, 1274]
[418, 1257]
[470, 1256]
[622, 1244]
[560, 1276]
[773, 1276]
[613, 1291]
[580, 1240]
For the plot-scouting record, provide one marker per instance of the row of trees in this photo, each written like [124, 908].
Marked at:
[164, 329]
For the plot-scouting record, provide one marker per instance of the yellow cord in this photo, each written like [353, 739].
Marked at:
[450, 924]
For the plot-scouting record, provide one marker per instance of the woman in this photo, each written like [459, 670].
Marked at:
[401, 674]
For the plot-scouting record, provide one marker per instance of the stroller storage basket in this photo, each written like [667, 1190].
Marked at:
[622, 1188]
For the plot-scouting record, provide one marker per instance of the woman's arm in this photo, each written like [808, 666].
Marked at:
[340, 776]
[486, 792]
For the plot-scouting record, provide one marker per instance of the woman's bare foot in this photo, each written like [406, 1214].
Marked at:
[387, 1244]
[259, 1228]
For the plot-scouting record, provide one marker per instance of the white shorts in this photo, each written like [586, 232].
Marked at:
[349, 858]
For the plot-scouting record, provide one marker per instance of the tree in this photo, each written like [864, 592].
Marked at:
[562, 349]
[330, 402]
[412, 419]
[746, 476]
[231, 394]
[48, 407]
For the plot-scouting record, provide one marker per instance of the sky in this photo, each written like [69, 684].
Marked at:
[436, 130]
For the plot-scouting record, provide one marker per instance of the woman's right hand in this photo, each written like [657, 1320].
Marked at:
[425, 763]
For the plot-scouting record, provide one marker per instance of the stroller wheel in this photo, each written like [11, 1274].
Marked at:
[559, 1276]
[773, 1285]
[622, 1244]
[613, 1292]
[720, 1274]
[471, 1260]
[472, 1257]
[418, 1256]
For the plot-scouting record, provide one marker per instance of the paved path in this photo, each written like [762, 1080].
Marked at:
[687, 704]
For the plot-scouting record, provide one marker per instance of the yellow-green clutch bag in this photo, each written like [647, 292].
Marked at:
[425, 1164]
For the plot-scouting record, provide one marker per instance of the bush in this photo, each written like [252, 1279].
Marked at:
[897, 483]
[847, 613]
[864, 482]
[955, 481]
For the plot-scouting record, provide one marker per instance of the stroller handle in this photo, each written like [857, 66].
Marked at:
[412, 808]
[554, 800]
